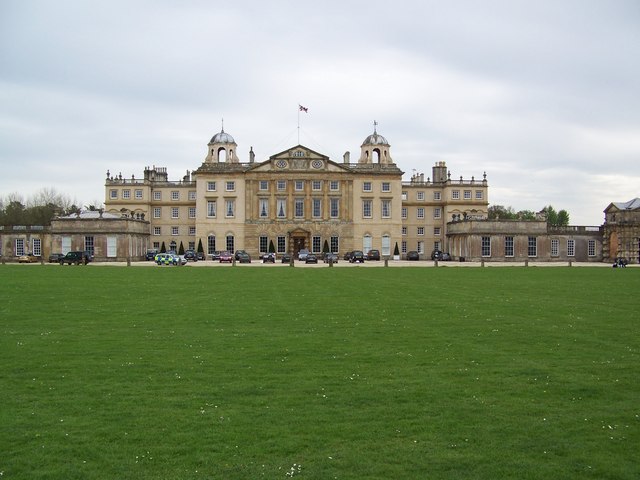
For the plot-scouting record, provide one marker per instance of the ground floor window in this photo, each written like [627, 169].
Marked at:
[19, 247]
[420, 247]
[436, 245]
[335, 244]
[112, 246]
[508, 246]
[66, 245]
[156, 245]
[555, 247]
[211, 244]
[262, 244]
[282, 244]
[88, 245]
[404, 246]
[37, 247]
[386, 245]
[230, 243]
[591, 248]
[316, 244]
[486, 246]
[571, 247]
[192, 245]
[366, 244]
[532, 249]
[173, 246]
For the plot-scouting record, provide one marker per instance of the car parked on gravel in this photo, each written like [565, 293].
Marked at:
[356, 257]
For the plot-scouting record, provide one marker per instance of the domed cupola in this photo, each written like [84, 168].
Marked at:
[222, 148]
[375, 148]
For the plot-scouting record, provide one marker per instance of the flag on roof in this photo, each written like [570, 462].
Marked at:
[303, 109]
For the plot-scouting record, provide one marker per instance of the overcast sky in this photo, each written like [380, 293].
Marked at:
[542, 96]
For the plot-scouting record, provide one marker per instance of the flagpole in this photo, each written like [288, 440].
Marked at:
[298, 124]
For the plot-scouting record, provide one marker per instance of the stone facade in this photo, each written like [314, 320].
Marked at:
[621, 231]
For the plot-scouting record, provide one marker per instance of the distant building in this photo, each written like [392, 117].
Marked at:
[621, 231]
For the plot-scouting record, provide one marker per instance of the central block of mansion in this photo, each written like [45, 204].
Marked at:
[297, 199]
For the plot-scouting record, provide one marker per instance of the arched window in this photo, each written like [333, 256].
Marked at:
[366, 243]
[222, 154]
[386, 245]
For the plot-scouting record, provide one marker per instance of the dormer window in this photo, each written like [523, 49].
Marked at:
[298, 153]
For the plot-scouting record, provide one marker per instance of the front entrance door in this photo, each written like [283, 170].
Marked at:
[298, 244]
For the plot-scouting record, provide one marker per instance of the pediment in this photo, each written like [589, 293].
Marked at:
[299, 158]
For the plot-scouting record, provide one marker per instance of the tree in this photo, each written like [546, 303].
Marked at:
[563, 218]
[200, 249]
[181, 249]
[325, 247]
[526, 215]
[551, 214]
[272, 248]
[163, 249]
[396, 250]
[499, 212]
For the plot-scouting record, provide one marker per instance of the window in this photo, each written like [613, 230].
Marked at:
[366, 208]
[36, 247]
[192, 194]
[386, 186]
[299, 207]
[420, 195]
[591, 248]
[192, 231]
[404, 230]
[316, 244]
[486, 246]
[437, 212]
[403, 246]
[366, 186]
[157, 195]
[282, 244]
[211, 244]
[211, 208]
[508, 246]
[555, 247]
[571, 248]
[436, 245]
[386, 245]
[420, 247]
[156, 212]
[112, 246]
[19, 247]
[282, 185]
[532, 249]
[264, 185]
[230, 186]
[479, 195]
[334, 185]
[175, 212]
[366, 243]
[335, 207]
[263, 207]
[156, 245]
[138, 194]
[230, 243]
[262, 243]
[175, 231]
[299, 185]
[282, 208]
[436, 231]
[317, 207]
[211, 186]
[113, 194]
[156, 231]
[467, 194]
[175, 195]
[126, 194]
[316, 185]
[420, 231]
[404, 196]
[386, 208]
[404, 212]
[230, 207]
[192, 245]
[437, 195]
[420, 212]
[455, 194]
[172, 246]
[192, 212]
[88, 245]
[335, 244]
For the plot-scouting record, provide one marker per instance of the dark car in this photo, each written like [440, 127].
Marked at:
[151, 254]
[330, 258]
[436, 255]
[55, 257]
[200, 256]
[310, 258]
[347, 256]
[302, 254]
[286, 258]
[413, 255]
[269, 258]
[356, 257]
[243, 257]
[76, 257]
[225, 257]
[239, 253]
[373, 255]
[190, 255]
[446, 257]
[215, 255]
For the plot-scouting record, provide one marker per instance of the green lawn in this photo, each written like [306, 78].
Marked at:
[348, 373]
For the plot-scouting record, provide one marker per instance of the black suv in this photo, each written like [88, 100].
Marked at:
[191, 255]
[356, 256]
[77, 257]
[373, 255]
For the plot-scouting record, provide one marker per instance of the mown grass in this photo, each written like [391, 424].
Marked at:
[377, 373]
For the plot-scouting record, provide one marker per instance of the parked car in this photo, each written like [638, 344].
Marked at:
[286, 258]
[240, 252]
[55, 257]
[225, 257]
[200, 256]
[436, 255]
[191, 255]
[151, 253]
[310, 258]
[302, 254]
[373, 255]
[330, 258]
[215, 255]
[446, 257]
[413, 255]
[347, 256]
[356, 257]
[28, 258]
[76, 257]
[269, 258]
[243, 257]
